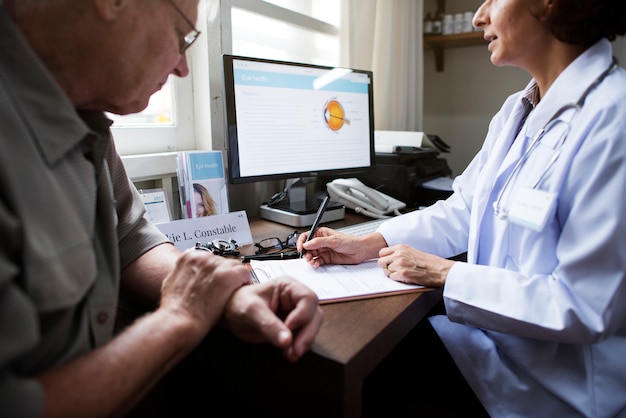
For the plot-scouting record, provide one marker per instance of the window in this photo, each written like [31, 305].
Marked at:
[298, 30]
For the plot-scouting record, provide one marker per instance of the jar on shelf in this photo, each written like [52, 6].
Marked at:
[467, 22]
[448, 24]
[458, 23]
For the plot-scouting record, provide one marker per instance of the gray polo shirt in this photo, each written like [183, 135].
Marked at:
[70, 222]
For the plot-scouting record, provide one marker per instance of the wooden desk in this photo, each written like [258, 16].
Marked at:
[328, 381]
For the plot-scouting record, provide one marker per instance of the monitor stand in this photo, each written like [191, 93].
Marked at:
[301, 209]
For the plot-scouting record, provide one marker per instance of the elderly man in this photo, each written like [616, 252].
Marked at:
[72, 224]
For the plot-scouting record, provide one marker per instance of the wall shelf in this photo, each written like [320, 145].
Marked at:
[438, 43]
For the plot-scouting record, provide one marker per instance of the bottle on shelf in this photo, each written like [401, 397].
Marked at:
[437, 24]
[428, 24]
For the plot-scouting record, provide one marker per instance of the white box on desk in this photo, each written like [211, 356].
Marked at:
[386, 141]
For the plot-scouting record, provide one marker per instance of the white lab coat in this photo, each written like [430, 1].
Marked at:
[536, 321]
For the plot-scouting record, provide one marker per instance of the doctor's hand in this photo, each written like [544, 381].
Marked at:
[332, 247]
[281, 311]
[403, 263]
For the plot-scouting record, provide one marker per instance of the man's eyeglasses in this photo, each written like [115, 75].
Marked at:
[191, 37]
[276, 245]
[219, 247]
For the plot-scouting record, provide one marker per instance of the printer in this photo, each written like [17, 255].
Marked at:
[406, 162]
[402, 175]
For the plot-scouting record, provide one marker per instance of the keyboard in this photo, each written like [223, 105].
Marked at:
[362, 228]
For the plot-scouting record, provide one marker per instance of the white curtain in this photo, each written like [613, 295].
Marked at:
[385, 36]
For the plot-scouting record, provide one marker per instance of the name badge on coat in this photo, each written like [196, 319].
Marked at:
[532, 208]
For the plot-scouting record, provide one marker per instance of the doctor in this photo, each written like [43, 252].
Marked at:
[535, 320]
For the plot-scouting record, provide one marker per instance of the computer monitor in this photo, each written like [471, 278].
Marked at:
[294, 120]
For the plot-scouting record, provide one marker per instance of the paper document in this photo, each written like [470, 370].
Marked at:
[157, 207]
[334, 283]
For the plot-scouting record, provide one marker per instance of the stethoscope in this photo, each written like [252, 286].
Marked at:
[502, 213]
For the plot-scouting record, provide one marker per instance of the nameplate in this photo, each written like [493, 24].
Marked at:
[185, 233]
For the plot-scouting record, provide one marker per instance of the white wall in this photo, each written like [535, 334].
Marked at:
[460, 101]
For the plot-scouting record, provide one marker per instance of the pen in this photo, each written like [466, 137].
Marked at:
[277, 256]
[318, 219]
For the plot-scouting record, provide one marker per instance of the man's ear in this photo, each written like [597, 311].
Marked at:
[110, 9]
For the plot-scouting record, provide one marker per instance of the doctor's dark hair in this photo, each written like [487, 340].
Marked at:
[587, 21]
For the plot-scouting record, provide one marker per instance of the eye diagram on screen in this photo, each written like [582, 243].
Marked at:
[334, 115]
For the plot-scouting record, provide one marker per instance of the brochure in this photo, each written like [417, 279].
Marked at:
[202, 184]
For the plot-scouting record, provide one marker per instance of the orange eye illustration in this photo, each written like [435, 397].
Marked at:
[334, 115]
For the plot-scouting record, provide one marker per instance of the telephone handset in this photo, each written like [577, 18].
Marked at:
[362, 199]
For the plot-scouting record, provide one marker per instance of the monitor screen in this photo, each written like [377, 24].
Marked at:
[289, 120]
